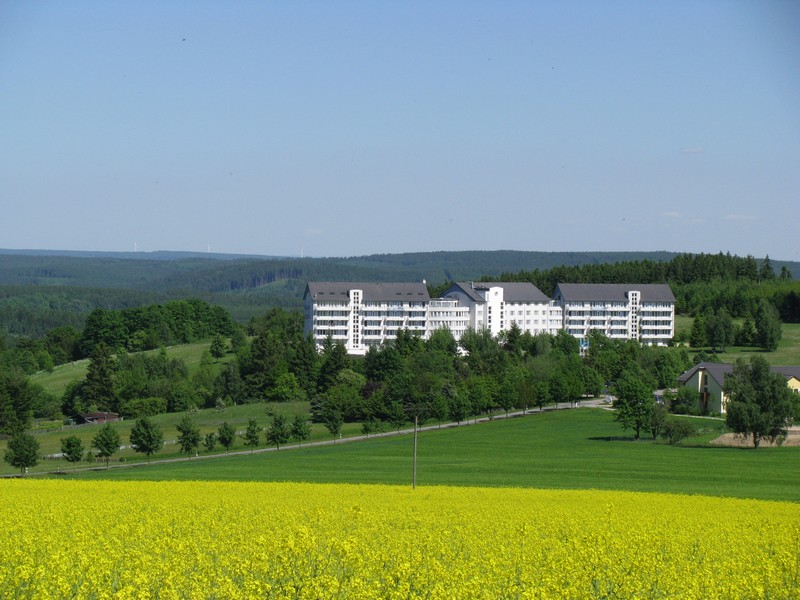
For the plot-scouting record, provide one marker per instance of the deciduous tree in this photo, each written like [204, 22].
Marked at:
[217, 347]
[760, 405]
[226, 434]
[146, 437]
[210, 441]
[22, 452]
[188, 435]
[252, 435]
[333, 421]
[634, 401]
[72, 449]
[106, 442]
[301, 428]
[279, 431]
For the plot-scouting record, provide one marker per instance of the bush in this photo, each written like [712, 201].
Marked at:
[144, 407]
[675, 430]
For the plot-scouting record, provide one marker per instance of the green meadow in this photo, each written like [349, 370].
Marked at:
[580, 449]
[56, 380]
[568, 449]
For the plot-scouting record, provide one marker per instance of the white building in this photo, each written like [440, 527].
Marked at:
[361, 315]
[644, 312]
[497, 305]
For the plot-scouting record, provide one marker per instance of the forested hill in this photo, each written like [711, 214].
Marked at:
[40, 290]
[163, 271]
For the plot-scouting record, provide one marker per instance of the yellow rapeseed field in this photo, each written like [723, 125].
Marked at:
[73, 539]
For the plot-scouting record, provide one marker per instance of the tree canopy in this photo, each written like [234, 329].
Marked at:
[760, 405]
[146, 437]
[22, 452]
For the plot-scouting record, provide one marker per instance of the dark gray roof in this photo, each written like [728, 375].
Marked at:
[512, 291]
[375, 292]
[788, 372]
[614, 292]
[718, 371]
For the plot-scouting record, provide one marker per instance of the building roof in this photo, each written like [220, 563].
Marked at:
[614, 292]
[512, 291]
[374, 292]
[718, 371]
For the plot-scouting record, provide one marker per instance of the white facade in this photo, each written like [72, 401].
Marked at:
[361, 315]
[497, 305]
[643, 312]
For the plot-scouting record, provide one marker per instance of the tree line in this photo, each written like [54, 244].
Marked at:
[146, 437]
[699, 282]
[130, 329]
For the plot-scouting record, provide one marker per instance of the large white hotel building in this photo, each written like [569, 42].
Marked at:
[361, 315]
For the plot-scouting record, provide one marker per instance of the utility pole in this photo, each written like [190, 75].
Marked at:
[414, 478]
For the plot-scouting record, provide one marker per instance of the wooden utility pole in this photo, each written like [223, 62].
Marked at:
[414, 477]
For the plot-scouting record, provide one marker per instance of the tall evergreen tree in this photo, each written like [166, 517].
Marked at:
[98, 389]
[768, 326]
[16, 402]
[766, 272]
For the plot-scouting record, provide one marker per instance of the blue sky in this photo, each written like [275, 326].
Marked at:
[349, 128]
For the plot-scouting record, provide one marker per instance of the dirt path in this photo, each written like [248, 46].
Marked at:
[731, 439]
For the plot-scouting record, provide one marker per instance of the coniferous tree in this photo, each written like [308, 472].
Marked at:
[766, 271]
[98, 388]
[768, 326]
[16, 402]
[697, 337]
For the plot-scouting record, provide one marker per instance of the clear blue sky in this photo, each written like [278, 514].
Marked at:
[347, 128]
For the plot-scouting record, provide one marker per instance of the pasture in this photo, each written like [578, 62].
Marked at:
[567, 449]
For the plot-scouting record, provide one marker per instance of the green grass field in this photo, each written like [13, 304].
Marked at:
[568, 449]
[56, 381]
[207, 420]
[788, 352]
